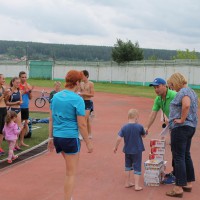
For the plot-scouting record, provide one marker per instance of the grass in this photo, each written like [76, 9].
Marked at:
[38, 135]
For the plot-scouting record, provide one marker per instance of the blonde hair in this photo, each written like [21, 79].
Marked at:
[132, 113]
[178, 80]
[10, 115]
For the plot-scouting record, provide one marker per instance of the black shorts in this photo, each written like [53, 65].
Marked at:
[24, 113]
[88, 104]
[3, 112]
[67, 145]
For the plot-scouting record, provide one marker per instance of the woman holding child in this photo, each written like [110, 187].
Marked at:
[182, 121]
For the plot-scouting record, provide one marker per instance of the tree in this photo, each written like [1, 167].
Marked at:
[186, 54]
[126, 51]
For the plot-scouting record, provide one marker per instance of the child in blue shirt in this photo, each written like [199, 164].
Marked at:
[132, 132]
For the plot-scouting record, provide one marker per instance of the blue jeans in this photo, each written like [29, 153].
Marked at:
[181, 138]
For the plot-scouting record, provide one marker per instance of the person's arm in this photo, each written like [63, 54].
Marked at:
[151, 119]
[16, 129]
[50, 139]
[30, 92]
[82, 125]
[117, 143]
[185, 110]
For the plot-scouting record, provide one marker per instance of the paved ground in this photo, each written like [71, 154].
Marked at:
[100, 174]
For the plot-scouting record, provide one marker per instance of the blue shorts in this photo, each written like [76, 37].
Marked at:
[67, 145]
[133, 162]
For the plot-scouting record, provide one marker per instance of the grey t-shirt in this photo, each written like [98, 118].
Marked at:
[176, 108]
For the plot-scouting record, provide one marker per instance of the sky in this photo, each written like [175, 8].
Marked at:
[154, 24]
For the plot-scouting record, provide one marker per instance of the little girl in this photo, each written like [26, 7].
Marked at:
[11, 132]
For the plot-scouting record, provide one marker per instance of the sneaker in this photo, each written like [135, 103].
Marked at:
[169, 179]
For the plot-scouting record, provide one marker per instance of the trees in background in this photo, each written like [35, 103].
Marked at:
[123, 52]
[186, 54]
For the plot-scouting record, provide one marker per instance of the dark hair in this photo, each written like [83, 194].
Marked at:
[12, 80]
[86, 73]
[21, 73]
[72, 77]
[10, 115]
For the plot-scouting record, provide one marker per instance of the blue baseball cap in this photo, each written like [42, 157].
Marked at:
[158, 81]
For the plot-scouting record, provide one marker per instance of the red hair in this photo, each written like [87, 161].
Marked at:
[72, 77]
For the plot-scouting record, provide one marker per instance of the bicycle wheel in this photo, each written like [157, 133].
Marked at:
[40, 102]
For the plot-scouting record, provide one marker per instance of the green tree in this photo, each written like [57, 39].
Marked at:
[126, 51]
[186, 54]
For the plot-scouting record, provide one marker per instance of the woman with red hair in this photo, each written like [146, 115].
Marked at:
[67, 118]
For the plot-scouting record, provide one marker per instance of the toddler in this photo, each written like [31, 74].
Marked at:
[11, 132]
[132, 133]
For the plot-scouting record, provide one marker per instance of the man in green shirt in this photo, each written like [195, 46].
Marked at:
[162, 101]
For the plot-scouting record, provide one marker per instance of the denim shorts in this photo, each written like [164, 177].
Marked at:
[67, 145]
[133, 162]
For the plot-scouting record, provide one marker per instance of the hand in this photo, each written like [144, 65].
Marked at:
[146, 130]
[178, 121]
[89, 147]
[50, 146]
[115, 150]
[18, 103]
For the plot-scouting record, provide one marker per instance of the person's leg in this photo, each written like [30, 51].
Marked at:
[188, 159]
[178, 146]
[11, 145]
[87, 114]
[3, 112]
[71, 162]
[23, 133]
[128, 171]
[137, 163]
[1, 140]
[18, 121]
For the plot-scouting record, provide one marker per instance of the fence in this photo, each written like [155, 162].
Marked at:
[136, 73]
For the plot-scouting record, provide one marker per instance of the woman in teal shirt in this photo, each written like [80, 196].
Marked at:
[67, 116]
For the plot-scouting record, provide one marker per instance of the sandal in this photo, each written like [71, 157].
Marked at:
[174, 194]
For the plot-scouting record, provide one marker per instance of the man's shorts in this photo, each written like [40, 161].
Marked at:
[88, 104]
[24, 113]
[67, 145]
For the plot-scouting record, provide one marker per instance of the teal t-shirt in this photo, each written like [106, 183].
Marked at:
[66, 106]
[159, 103]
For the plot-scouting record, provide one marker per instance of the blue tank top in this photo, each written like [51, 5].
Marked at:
[15, 96]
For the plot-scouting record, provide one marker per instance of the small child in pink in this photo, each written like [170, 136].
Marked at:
[11, 132]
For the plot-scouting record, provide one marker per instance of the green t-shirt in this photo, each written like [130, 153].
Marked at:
[159, 103]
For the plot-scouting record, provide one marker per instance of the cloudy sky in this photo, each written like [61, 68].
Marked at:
[155, 24]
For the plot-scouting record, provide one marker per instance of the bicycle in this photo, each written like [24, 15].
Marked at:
[41, 101]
